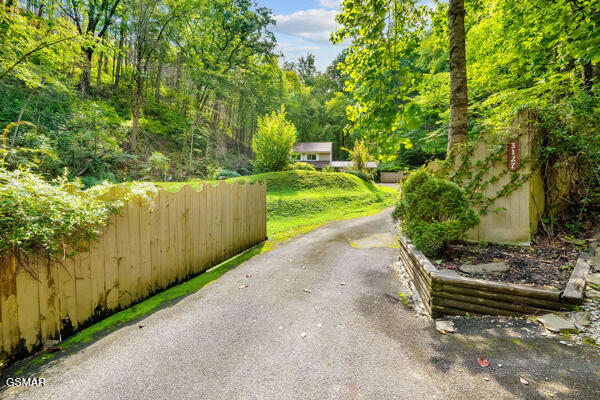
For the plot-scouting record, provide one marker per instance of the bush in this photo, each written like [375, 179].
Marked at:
[435, 212]
[37, 216]
[302, 166]
[227, 173]
[245, 172]
[359, 155]
[365, 176]
[272, 144]
[158, 165]
[329, 169]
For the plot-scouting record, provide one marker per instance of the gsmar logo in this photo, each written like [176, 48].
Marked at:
[25, 381]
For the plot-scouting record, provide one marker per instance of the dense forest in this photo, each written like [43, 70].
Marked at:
[126, 89]
[144, 89]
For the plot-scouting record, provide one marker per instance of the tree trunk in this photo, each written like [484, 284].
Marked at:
[157, 84]
[136, 106]
[457, 132]
[99, 71]
[119, 58]
[86, 70]
[587, 76]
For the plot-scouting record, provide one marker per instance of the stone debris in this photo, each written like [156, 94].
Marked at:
[482, 269]
[445, 326]
[593, 281]
[592, 294]
[51, 343]
[581, 318]
[555, 323]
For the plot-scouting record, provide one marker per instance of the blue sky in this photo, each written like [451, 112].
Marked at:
[304, 26]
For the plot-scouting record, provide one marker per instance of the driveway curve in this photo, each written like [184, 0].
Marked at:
[316, 318]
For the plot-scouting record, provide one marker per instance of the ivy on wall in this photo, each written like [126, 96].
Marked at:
[474, 177]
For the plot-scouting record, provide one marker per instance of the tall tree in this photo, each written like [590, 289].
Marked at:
[92, 18]
[457, 132]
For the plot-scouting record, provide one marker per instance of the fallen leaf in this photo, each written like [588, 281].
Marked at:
[523, 381]
[243, 287]
[141, 326]
[442, 331]
[482, 362]
[248, 276]
[343, 283]
[303, 334]
[307, 291]
[54, 349]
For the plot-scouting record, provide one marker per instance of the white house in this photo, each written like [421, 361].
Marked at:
[317, 154]
[320, 155]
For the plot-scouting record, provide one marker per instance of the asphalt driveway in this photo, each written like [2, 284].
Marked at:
[318, 319]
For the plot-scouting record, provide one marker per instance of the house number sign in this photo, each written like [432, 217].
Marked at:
[513, 155]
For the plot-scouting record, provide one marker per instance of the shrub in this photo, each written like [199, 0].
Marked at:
[328, 168]
[227, 173]
[245, 172]
[359, 155]
[434, 211]
[37, 216]
[302, 166]
[365, 176]
[158, 165]
[272, 144]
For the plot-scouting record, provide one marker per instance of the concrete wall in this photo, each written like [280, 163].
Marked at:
[391, 177]
[140, 252]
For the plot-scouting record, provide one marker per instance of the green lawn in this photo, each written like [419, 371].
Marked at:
[296, 199]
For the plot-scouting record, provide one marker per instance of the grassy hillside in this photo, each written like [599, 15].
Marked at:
[301, 198]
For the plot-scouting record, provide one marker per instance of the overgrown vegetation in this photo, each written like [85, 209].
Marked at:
[434, 211]
[54, 218]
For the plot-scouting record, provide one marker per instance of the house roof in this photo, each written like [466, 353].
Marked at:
[313, 147]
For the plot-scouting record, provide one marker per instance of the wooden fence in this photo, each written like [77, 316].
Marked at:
[142, 250]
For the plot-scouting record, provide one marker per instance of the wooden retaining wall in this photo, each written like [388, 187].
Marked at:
[142, 250]
[447, 294]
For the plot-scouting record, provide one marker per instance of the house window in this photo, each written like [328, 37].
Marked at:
[311, 157]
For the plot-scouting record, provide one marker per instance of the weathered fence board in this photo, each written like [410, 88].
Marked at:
[142, 250]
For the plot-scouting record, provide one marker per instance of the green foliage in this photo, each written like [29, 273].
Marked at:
[365, 176]
[380, 65]
[158, 165]
[434, 211]
[40, 216]
[302, 166]
[227, 173]
[272, 144]
[359, 155]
